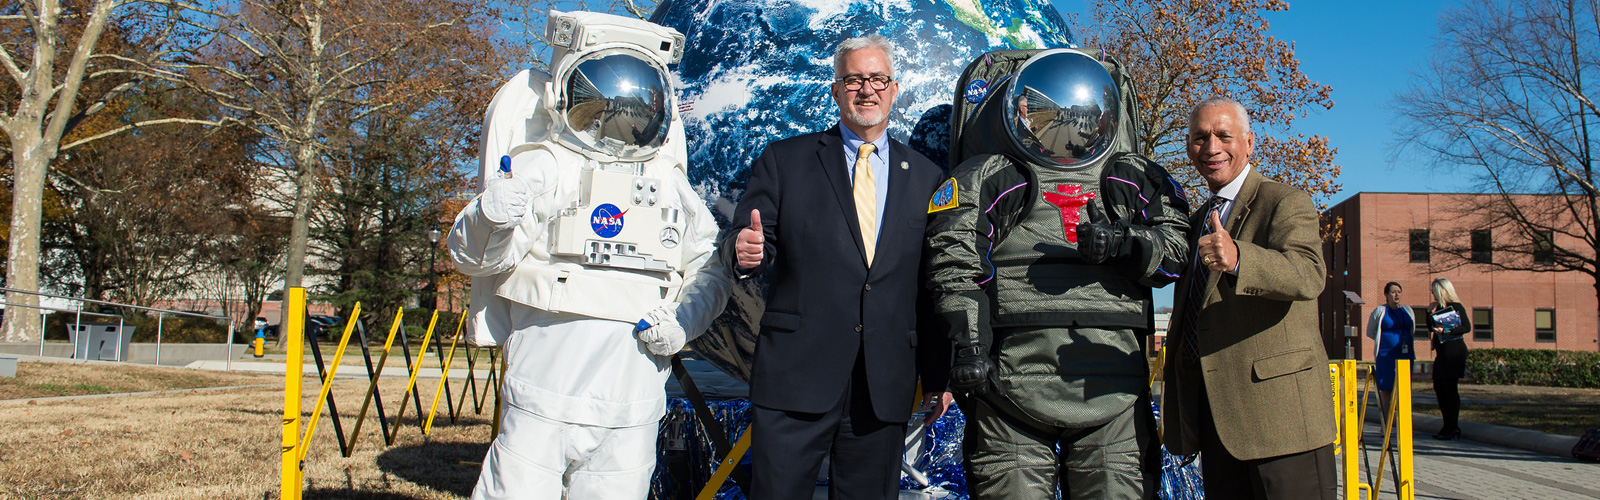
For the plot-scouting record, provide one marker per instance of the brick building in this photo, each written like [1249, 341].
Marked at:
[1397, 236]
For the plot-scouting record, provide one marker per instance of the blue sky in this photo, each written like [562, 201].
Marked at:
[1366, 51]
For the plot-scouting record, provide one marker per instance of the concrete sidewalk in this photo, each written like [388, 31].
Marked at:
[1489, 462]
[392, 369]
[1468, 469]
[1523, 439]
[171, 354]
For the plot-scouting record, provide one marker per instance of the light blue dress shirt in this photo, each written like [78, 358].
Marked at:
[879, 159]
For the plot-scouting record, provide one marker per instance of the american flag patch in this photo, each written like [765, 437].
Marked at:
[1178, 188]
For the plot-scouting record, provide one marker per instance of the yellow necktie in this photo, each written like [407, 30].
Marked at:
[866, 195]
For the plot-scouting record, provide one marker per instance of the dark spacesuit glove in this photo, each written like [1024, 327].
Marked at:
[1099, 239]
[973, 373]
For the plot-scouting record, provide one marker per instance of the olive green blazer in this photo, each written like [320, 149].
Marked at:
[1262, 357]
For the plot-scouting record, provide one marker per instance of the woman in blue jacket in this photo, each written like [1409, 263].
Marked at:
[1391, 325]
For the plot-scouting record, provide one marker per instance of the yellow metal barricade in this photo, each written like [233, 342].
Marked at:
[327, 384]
[1399, 414]
[372, 387]
[1348, 440]
[298, 433]
[1350, 396]
[499, 387]
[411, 384]
[444, 375]
[726, 467]
[294, 321]
[1402, 397]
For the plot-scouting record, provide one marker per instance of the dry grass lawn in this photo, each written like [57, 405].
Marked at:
[43, 380]
[225, 444]
[1558, 410]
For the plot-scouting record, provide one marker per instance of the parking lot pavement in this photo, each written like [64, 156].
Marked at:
[1472, 470]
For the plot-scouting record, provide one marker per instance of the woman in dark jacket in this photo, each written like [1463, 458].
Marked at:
[1450, 353]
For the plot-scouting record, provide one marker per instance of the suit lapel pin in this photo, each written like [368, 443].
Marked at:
[905, 166]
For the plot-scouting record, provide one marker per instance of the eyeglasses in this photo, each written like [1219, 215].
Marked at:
[853, 83]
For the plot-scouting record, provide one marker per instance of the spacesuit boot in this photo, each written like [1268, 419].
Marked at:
[585, 225]
[1043, 247]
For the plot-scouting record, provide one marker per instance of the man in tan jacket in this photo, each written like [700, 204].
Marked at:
[1246, 383]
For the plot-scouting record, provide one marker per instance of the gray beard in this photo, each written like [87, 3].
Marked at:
[862, 121]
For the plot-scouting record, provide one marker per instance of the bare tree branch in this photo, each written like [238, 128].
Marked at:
[146, 123]
[1180, 52]
[1505, 102]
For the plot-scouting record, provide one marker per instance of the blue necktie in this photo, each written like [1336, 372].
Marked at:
[1189, 324]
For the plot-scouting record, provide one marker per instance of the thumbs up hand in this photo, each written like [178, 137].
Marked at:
[749, 249]
[1099, 239]
[505, 201]
[1217, 251]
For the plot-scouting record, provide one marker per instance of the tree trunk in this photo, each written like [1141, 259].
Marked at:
[27, 199]
[33, 146]
[305, 191]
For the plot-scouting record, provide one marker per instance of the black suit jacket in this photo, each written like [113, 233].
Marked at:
[824, 305]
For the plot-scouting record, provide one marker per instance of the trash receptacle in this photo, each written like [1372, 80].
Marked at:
[100, 340]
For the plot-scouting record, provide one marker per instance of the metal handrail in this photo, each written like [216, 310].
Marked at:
[228, 352]
[79, 321]
[4, 303]
[118, 304]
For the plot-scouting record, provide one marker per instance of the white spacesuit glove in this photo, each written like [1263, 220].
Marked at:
[665, 336]
[505, 201]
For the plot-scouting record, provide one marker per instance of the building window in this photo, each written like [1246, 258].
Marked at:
[1544, 248]
[1346, 252]
[1333, 260]
[1483, 324]
[1420, 332]
[1544, 325]
[1419, 245]
[1482, 251]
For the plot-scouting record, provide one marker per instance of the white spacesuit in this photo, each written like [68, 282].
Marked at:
[586, 224]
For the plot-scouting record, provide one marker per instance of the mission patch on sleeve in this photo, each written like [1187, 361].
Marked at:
[944, 198]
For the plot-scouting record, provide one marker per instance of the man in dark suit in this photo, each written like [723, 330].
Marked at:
[835, 220]
[1247, 385]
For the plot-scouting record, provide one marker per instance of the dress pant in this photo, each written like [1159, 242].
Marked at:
[1449, 365]
[1009, 457]
[1296, 476]
[787, 447]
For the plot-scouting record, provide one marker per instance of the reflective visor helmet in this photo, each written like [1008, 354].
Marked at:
[611, 96]
[617, 103]
[1062, 109]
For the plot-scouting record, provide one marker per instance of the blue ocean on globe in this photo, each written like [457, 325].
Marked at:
[756, 71]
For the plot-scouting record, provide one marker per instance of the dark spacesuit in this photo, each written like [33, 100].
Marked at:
[1043, 248]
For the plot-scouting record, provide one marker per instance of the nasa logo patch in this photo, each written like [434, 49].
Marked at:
[607, 220]
[976, 89]
[943, 198]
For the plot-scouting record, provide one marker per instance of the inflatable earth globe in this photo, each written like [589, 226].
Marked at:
[756, 71]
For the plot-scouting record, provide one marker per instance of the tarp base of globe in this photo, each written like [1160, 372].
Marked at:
[685, 461]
